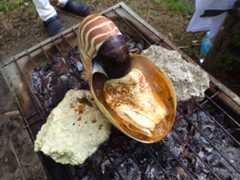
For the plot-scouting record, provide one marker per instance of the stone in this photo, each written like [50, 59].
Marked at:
[189, 80]
[74, 130]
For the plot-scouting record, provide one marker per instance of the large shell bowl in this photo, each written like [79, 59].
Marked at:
[162, 89]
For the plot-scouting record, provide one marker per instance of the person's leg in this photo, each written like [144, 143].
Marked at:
[44, 9]
[74, 7]
[49, 16]
[62, 3]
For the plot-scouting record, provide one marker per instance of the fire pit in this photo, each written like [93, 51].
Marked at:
[203, 145]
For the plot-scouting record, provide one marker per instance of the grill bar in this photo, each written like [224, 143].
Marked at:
[162, 168]
[209, 141]
[223, 111]
[195, 153]
[119, 174]
[213, 146]
[191, 174]
[222, 127]
[26, 124]
[211, 97]
[150, 153]
[219, 153]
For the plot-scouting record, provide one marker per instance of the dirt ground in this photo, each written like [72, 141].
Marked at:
[22, 29]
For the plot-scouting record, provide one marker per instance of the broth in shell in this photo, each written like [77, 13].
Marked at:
[162, 91]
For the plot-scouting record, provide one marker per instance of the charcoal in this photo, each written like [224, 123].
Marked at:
[208, 131]
[181, 174]
[108, 171]
[82, 170]
[96, 159]
[51, 81]
[75, 64]
[133, 46]
[37, 81]
[105, 165]
[142, 155]
[129, 170]
[152, 172]
[89, 177]
[202, 176]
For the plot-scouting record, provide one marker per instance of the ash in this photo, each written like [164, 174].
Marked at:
[197, 148]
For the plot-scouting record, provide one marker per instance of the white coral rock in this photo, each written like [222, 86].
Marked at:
[189, 80]
[74, 129]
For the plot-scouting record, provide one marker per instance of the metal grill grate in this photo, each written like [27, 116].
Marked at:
[203, 145]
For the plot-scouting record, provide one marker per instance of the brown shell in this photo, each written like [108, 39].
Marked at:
[94, 30]
[162, 88]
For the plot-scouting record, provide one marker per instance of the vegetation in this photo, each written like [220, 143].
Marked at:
[229, 60]
[229, 63]
[6, 6]
[179, 6]
[10, 5]
[236, 37]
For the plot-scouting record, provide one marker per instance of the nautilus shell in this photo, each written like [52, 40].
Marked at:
[146, 111]
[93, 32]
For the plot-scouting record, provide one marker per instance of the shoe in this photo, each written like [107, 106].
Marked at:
[77, 8]
[53, 26]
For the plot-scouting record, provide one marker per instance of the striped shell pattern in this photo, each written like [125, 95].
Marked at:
[94, 30]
